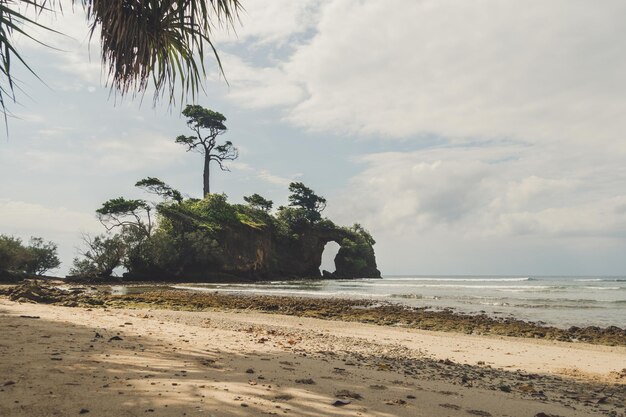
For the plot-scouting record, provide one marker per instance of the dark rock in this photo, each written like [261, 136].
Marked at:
[344, 393]
[36, 292]
[115, 338]
[341, 403]
[306, 381]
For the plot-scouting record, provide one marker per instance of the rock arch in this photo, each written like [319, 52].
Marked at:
[355, 258]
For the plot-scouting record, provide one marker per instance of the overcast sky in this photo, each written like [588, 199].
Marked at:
[482, 137]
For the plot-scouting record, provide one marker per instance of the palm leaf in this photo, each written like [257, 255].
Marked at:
[159, 40]
[13, 20]
[144, 42]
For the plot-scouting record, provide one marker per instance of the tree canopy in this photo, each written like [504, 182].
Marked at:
[126, 213]
[36, 258]
[158, 187]
[306, 199]
[258, 202]
[207, 126]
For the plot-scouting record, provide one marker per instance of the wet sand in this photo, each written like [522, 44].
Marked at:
[61, 361]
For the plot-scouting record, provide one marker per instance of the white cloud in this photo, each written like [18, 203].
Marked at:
[135, 151]
[272, 22]
[259, 87]
[537, 71]
[487, 192]
[261, 174]
[71, 50]
[267, 176]
[24, 218]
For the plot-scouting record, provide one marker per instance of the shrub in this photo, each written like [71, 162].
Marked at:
[36, 258]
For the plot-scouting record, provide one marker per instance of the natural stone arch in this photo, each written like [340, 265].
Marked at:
[352, 260]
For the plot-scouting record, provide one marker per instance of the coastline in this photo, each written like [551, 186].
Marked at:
[236, 362]
[339, 309]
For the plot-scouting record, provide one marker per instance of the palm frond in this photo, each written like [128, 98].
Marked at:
[13, 20]
[163, 41]
[158, 42]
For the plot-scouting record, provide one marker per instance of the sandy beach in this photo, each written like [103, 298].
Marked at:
[63, 361]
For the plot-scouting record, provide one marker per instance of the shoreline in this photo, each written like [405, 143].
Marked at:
[239, 362]
[338, 309]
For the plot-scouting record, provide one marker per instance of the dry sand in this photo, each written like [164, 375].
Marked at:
[61, 361]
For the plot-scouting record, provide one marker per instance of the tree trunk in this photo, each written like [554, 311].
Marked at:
[206, 175]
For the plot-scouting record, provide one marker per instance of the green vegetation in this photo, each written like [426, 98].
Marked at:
[36, 258]
[100, 258]
[356, 249]
[207, 125]
[187, 239]
[304, 198]
[257, 202]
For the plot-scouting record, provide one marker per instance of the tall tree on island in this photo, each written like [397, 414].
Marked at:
[207, 126]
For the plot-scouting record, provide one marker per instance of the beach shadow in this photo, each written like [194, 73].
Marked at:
[60, 368]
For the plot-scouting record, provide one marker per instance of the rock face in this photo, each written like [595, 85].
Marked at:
[259, 253]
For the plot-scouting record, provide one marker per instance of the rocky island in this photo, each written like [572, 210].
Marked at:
[213, 240]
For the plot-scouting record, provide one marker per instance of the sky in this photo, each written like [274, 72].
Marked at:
[482, 137]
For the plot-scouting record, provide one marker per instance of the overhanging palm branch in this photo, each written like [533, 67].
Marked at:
[12, 20]
[163, 41]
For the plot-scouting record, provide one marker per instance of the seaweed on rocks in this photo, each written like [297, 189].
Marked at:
[373, 312]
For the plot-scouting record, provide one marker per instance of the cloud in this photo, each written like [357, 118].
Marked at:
[71, 50]
[261, 174]
[272, 22]
[259, 87]
[535, 71]
[24, 218]
[478, 192]
[135, 151]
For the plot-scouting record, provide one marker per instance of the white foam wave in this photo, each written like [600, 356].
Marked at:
[601, 280]
[262, 291]
[496, 287]
[468, 279]
[602, 288]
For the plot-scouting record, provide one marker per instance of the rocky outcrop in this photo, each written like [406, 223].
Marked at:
[258, 252]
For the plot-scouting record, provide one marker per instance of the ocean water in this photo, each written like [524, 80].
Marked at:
[560, 301]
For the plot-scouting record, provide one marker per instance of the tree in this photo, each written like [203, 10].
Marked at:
[163, 41]
[126, 214]
[211, 122]
[43, 256]
[13, 255]
[258, 202]
[36, 258]
[303, 197]
[100, 258]
[158, 187]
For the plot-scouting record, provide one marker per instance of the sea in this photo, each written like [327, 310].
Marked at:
[560, 301]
